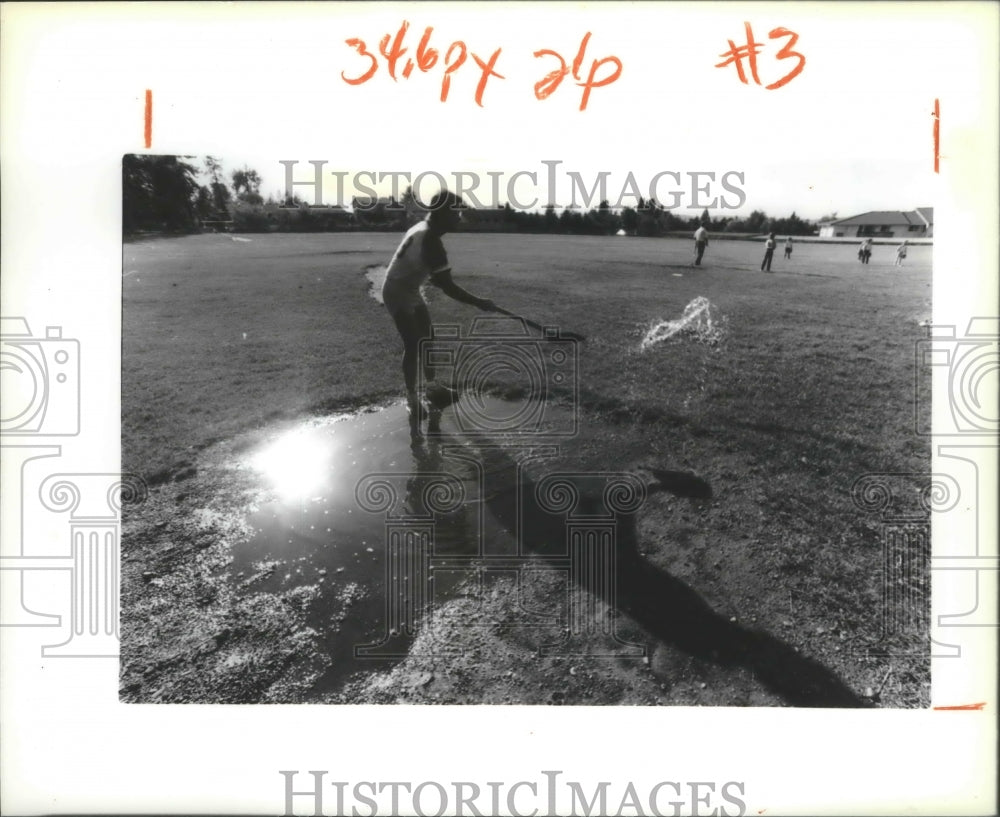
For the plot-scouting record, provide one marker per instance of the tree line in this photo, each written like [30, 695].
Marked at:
[171, 195]
[162, 194]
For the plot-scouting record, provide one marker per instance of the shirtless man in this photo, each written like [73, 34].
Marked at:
[419, 259]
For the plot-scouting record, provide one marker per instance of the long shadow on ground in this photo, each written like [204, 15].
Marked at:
[664, 605]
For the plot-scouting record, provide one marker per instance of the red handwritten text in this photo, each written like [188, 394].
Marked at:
[395, 57]
[738, 53]
[393, 51]
[548, 84]
[148, 120]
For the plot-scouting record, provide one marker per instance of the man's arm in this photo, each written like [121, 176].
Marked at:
[443, 281]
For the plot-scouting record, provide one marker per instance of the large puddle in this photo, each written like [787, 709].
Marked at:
[377, 528]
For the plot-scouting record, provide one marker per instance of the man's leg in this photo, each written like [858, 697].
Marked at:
[422, 322]
[413, 325]
[438, 396]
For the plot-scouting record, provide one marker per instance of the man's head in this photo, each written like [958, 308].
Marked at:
[445, 212]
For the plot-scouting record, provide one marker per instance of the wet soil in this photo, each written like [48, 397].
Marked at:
[337, 561]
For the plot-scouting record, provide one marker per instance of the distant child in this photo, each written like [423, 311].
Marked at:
[700, 242]
[421, 258]
[769, 246]
[865, 252]
[788, 247]
[900, 254]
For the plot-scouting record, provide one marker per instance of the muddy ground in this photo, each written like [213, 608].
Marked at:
[695, 616]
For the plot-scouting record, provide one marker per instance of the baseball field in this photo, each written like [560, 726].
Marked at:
[751, 573]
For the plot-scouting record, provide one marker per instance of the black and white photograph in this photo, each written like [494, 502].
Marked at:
[555, 372]
[370, 477]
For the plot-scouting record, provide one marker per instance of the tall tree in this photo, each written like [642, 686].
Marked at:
[630, 220]
[757, 221]
[159, 193]
[203, 204]
[214, 168]
[550, 219]
[220, 195]
[246, 185]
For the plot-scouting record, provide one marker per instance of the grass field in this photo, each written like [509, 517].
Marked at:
[811, 385]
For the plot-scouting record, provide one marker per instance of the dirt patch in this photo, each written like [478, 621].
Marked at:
[692, 618]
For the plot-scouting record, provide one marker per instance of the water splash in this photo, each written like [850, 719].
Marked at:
[697, 321]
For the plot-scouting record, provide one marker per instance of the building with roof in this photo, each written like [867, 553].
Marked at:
[900, 224]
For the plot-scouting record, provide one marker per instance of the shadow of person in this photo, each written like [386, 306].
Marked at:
[666, 607]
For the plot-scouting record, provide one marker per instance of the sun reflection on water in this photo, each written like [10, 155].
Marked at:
[297, 464]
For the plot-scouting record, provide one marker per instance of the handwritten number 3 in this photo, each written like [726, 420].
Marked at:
[363, 51]
[786, 51]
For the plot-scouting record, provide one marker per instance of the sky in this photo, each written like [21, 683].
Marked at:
[810, 190]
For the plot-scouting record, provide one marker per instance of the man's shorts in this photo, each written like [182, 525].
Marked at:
[401, 298]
